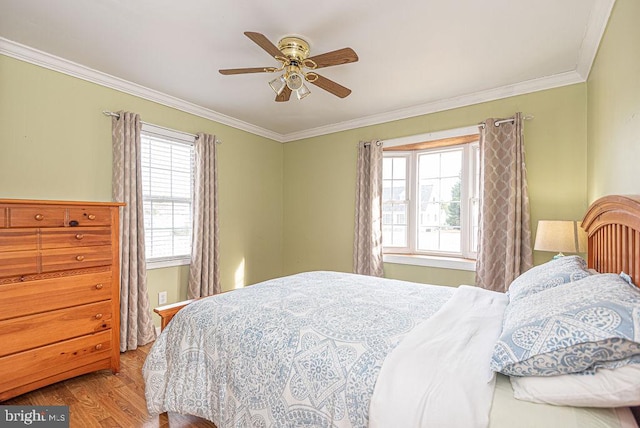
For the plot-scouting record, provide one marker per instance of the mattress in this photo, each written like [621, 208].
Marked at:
[506, 411]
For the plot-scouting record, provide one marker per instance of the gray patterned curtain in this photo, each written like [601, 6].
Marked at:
[505, 229]
[367, 246]
[136, 327]
[204, 270]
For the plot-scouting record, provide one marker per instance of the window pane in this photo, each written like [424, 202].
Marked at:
[399, 168]
[475, 216]
[394, 236]
[161, 244]
[182, 216]
[394, 225]
[450, 240]
[450, 189]
[182, 242]
[147, 214]
[387, 165]
[429, 165]
[429, 215]
[161, 215]
[429, 191]
[452, 214]
[439, 239]
[428, 238]
[160, 185]
[181, 185]
[451, 164]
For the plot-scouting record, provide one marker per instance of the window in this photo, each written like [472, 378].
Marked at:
[167, 188]
[430, 195]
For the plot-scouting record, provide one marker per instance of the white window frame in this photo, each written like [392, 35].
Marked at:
[465, 260]
[180, 138]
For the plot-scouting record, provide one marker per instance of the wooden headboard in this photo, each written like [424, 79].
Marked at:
[612, 224]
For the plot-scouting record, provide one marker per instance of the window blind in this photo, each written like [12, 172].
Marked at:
[167, 188]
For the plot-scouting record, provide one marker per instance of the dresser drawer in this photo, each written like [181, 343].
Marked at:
[75, 258]
[42, 329]
[32, 297]
[36, 216]
[18, 240]
[90, 216]
[18, 263]
[25, 367]
[74, 237]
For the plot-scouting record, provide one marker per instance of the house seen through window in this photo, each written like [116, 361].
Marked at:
[430, 197]
[167, 188]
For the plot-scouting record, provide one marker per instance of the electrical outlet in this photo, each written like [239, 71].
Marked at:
[162, 298]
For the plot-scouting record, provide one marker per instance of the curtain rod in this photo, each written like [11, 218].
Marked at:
[112, 114]
[378, 143]
[500, 122]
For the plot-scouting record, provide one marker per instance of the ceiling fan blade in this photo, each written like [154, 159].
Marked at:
[341, 56]
[331, 86]
[229, 71]
[262, 41]
[284, 95]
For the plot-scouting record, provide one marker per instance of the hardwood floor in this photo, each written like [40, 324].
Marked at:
[102, 399]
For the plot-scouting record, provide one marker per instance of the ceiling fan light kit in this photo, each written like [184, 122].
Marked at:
[293, 54]
[278, 84]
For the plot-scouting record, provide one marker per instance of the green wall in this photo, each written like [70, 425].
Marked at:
[55, 143]
[289, 208]
[319, 178]
[614, 106]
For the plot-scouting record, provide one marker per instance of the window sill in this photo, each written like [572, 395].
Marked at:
[431, 261]
[165, 263]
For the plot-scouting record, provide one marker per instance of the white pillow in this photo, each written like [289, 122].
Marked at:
[606, 388]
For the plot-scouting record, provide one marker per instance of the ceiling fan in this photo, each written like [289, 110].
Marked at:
[293, 54]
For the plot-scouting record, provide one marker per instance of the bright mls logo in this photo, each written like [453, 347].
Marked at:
[34, 416]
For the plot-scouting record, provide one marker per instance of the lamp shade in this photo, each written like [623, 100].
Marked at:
[295, 80]
[303, 92]
[278, 84]
[560, 235]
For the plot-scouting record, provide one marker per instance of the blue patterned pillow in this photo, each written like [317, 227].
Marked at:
[551, 274]
[570, 328]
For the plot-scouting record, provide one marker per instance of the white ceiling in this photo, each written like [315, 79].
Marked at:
[416, 56]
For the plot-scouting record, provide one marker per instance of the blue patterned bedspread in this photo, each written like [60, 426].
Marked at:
[298, 351]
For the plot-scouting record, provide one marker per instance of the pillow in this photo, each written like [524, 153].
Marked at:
[605, 388]
[627, 278]
[573, 327]
[551, 274]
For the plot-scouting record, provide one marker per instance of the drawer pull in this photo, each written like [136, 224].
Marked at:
[79, 236]
[79, 258]
[98, 316]
[39, 217]
[91, 216]
[98, 346]
[99, 286]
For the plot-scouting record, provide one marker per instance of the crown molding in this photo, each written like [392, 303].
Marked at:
[534, 85]
[593, 35]
[596, 27]
[52, 62]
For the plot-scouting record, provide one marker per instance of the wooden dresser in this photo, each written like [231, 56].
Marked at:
[59, 292]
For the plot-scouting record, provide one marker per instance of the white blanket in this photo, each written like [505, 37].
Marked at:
[439, 375]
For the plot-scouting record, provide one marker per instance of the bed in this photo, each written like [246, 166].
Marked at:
[328, 349]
